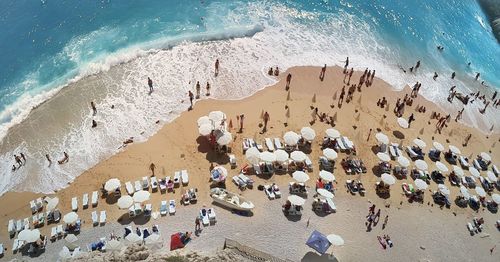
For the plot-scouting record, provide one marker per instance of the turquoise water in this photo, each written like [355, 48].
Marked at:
[48, 44]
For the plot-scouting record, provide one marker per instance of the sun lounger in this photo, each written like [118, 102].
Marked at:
[154, 183]
[33, 206]
[477, 165]
[463, 162]
[472, 229]
[184, 177]
[348, 143]
[16, 245]
[95, 198]
[11, 228]
[74, 204]
[60, 231]
[232, 160]
[145, 183]
[137, 185]
[276, 191]
[171, 207]
[382, 148]
[269, 144]
[39, 203]
[341, 144]
[170, 184]
[147, 210]
[239, 182]
[211, 215]
[246, 145]
[248, 181]
[309, 164]
[85, 200]
[394, 150]
[269, 192]
[41, 219]
[495, 170]
[19, 225]
[204, 217]
[95, 222]
[163, 185]
[53, 233]
[1, 250]
[129, 188]
[177, 178]
[411, 153]
[257, 170]
[277, 143]
[163, 208]
[102, 217]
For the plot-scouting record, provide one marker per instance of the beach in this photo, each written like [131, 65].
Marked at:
[423, 232]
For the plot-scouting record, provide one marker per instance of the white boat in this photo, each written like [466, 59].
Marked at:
[231, 200]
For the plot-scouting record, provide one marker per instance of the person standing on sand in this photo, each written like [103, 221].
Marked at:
[411, 119]
[94, 110]
[150, 84]
[191, 97]
[266, 119]
[288, 80]
[48, 159]
[322, 73]
[217, 67]
[242, 117]
[152, 168]
[197, 224]
[208, 89]
[198, 89]
[459, 115]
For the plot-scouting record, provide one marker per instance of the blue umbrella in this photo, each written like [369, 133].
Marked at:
[318, 242]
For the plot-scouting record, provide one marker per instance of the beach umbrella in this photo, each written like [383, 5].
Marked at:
[420, 184]
[52, 203]
[153, 240]
[438, 146]
[112, 184]
[225, 139]
[421, 165]
[330, 154]
[441, 167]
[203, 120]
[454, 150]
[296, 200]
[382, 138]
[458, 171]
[474, 172]
[485, 156]
[419, 142]
[141, 196]
[327, 176]
[267, 157]
[124, 202]
[318, 242]
[216, 116]
[383, 157]
[496, 198]
[253, 156]
[24, 234]
[291, 138]
[300, 176]
[70, 240]
[65, 253]
[205, 129]
[491, 176]
[218, 174]
[465, 192]
[281, 155]
[308, 133]
[402, 122]
[403, 161]
[388, 179]
[332, 133]
[335, 240]
[114, 245]
[70, 218]
[325, 193]
[298, 156]
[133, 238]
[32, 236]
[444, 189]
[480, 191]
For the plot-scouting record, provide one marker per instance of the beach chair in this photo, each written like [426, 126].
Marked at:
[33, 206]
[154, 183]
[184, 177]
[211, 216]
[340, 144]
[177, 178]
[256, 170]
[15, 245]
[102, 217]
[411, 153]
[1, 250]
[248, 181]
[11, 227]
[60, 230]
[309, 164]
[464, 162]
[74, 204]
[163, 208]
[163, 186]
[170, 184]
[204, 217]
[394, 151]
[239, 182]
[85, 201]
[269, 144]
[145, 183]
[147, 210]
[382, 148]
[129, 188]
[53, 233]
[495, 170]
[171, 207]
[137, 185]
[95, 198]
[39, 203]
[348, 143]
[19, 225]
[269, 192]
[232, 160]
[277, 143]
[245, 145]
[40, 218]
[95, 221]
[472, 229]
[276, 191]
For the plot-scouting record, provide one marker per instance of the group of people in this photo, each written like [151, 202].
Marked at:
[276, 71]
[20, 160]
[198, 86]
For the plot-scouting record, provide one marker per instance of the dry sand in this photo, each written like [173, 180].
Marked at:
[420, 232]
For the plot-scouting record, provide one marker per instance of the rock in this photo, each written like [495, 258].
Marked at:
[422, 247]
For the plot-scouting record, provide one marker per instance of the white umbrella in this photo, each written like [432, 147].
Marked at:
[454, 150]
[300, 176]
[124, 202]
[491, 176]
[465, 192]
[291, 138]
[474, 172]
[253, 155]
[281, 155]
[24, 234]
[402, 122]
[441, 167]
[114, 244]
[444, 189]
[325, 193]
[267, 157]
[388, 179]
[403, 161]
[327, 176]
[65, 253]
[112, 184]
[383, 157]
[330, 154]
[420, 184]
[438, 146]
[485, 156]
[70, 218]
[205, 129]
[203, 120]
[52, 203]
[419, 142]
[298, 156]
[70, 240]
[421, 165]
[141, 196]
[480, 191]
[153, 239]
[458, 171]
[216, 116]
[496, 198]
[332, 133]
[32, 236]
[382, 138]
[133, 238]
[335, 240]
[308, 133]
[296, 200]
[225, 139]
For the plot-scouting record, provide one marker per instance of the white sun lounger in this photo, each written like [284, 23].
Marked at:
[232, 160]
[471, 228]
[137, 185]
[211, 215]
[256, 169]
[171, 207]
[33, 206]
[411, 153]
[145, 183]
[394, 150]
[102, 217]
[204, 218]
[163, 208]
[239, 182]
[74, 204]
[11, 228]
[19, 225]
[269, 144]
[95, 198]
[16, 245]
[129, 188]
[185, 177]
[276, 191]
[348, 143]
[85, 200]
[177, 178]
[1, 249]
[163, 186]
[341, 144]
[53, 233]
[39, 203]
[477, 165]
[95, 222]
[154, 183]
[60, 230]
[463, 162]
[147, 210]
[269, 192]
[277, 143]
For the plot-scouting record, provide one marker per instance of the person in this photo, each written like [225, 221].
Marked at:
[477, 76]
[388, 240]
[372, 209]
[64, 160]
[48, 159]
[92, 105]
[341, 98]
[18, 160]
[270, 72]
[322, 74]
[191, 97]
[453, 75]
[14, 168]
[23, 157]
[197, 224]
[276, 72]
[266, 119]
[369, 134]
[288, 80]
[216, 67]
[459, 115]
[345, 66]
[150, 84]
[494, 95]
[386, 219]
[198, 88]
[411, 119]
[417, 65]
[152, 168]
[94, 123]
[435, 76]
[242, 117]
[208, 89]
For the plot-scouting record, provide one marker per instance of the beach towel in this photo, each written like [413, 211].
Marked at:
[175, 241]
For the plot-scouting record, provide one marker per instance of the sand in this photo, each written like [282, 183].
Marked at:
[420, 231]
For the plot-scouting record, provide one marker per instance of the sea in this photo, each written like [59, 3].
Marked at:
[58, 56]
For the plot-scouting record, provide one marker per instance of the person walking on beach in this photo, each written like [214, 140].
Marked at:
[208, 89]
[198, 89]
[266, 119]
[217, 67]
[197, 224]
[459, 115]
[341, 98]
[369, 134]
[322, 74]
[94, 110]
[65, 159]
[152, 168]
[150, 84]
[191, 97]
[288, 80]
[48, 159]
[411, 119]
